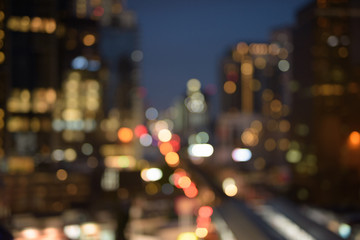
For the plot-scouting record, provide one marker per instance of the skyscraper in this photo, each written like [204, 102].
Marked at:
[326, 104]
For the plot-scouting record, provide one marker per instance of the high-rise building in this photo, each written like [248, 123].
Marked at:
[59, 62]
[255, 104]
[325, 116]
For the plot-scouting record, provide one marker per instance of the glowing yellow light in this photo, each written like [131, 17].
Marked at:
[123, 161]
[61, 174]
[25, 24]
[230, 190]
[36, 24]
[249, 137]
[125, 135]
[90, 228]
[2, 57]
[164, 135]
[293, 156]
[172, 159]
[229, 87]
[247, 68]
[354, 138]
[2, 15]
[70, 154]
[201, 232]
[229, 187]
[187, 236]
[184, 182]
[50, 25]
[89, 40]
[193, 85]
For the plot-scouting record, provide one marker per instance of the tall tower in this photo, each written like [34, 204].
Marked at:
[326, 105]
[255, 104]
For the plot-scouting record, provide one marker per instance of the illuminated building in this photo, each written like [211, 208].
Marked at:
[324, 149]
[56, 73]
[255, 104]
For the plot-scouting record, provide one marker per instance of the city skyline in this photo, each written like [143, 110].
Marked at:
[195, 36]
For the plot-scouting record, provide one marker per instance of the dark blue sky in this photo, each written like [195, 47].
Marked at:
[183, 39]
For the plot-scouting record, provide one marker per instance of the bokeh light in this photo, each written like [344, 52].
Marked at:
[205, 211]
[187, 236]
[140, 130]
[172, 159]
[200, 150]
[193, 85]
[151, 113]
[354, 139]
[146, 140]
[241, 154]
[125, 135]
[89, 39]
[184, 182]
[201, 232]
[164, 135]
[151, 174]
[72, 231]
[61, 174]
[230, 87]
[165, 148]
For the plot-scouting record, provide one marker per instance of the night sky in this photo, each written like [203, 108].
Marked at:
[183, 39]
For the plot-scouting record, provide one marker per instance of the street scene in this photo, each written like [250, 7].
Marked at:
[179, 120]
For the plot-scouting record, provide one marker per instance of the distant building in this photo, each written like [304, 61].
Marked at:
[255, 103]
[326, 116]
[59, 61]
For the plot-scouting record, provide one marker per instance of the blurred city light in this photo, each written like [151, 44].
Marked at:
[229, 187]
[151, 174]
[164, 135]
[120, 162]
[205, 211]
[187, 236]
[344, 230]
[31, 233]
[200, 150]
[193, 85]
[201, 232]
[241, 154]
[125, 134]
[151, 113]
[146, 140]
[354, 139]
[140, 130]
[172, 159]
